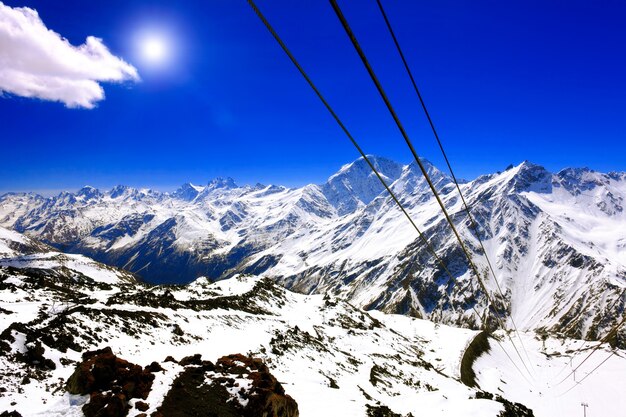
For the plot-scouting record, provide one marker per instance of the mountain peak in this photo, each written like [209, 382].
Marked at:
[118, 190]
[220, 182]
[360, 166]
[526, 164]
[579, 180]
[187, 191]
[528, 176]
[427, 165]
[88, 192]
[415, 179]
[355, 184]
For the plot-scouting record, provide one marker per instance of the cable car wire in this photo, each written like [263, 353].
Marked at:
[372, 167]
[394, 115]
[473, 223]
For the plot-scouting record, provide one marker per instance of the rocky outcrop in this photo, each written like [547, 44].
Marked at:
[236, 386]
[511, 409]
[266, 396]
[110, 383]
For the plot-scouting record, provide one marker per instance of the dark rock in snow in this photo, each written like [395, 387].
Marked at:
[110, 382]
[206, 389]
[511, 409]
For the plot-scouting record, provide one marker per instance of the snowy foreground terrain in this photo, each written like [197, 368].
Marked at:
[556, 240]
[332, 358]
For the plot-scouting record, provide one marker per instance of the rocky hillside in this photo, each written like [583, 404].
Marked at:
[235, 386]
[77, 338]
[556, 240]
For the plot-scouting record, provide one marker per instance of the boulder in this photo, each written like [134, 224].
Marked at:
[110, 382]
[236, 386]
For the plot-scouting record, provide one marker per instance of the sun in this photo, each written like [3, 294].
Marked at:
[158, 46]
[154, 49]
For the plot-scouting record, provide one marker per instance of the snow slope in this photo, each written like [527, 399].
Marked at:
[332, 357]
[551, 389]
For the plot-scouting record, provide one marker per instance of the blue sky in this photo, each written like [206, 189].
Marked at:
[504, 82]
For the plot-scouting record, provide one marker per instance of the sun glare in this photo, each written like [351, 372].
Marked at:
[154, 49]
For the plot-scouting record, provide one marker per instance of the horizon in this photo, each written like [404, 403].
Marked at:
[251, 183]
[188, 92]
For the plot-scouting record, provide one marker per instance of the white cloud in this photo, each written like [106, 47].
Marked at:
[38, 62]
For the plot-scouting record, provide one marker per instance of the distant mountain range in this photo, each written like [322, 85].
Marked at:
[557, 241]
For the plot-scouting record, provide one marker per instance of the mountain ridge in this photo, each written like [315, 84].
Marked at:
[554, 239]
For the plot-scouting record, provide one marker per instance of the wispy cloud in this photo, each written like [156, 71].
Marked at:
[38, 62]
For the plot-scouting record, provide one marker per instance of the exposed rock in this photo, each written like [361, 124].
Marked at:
[10, 414]
[110, 383]
[34, 356]
[511, 409]
[267, 396]
[154, 367]
[236, 386]
[191, 360]
[380, 411]
[106, 405]
[142, 406]
[478, 346]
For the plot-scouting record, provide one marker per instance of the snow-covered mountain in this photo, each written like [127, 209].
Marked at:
[79, 338]
[557, 241]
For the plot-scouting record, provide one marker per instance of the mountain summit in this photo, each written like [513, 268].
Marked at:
[356, 185]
